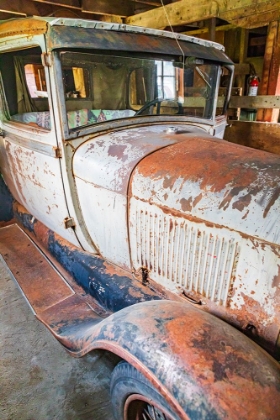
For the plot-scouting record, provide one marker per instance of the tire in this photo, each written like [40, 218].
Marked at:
[134, 398]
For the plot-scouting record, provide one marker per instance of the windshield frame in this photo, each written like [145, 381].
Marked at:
[122, 122]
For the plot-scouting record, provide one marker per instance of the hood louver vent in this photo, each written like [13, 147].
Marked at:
[179, 252]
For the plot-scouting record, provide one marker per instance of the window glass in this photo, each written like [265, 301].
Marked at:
[24, 90]
[76, 82]
[223, 90]
[35, 80]
[104, 87]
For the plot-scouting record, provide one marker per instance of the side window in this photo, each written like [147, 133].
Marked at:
[35, 80]
[24, 88]
[76, 82]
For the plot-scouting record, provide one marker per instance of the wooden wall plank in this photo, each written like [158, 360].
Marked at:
[270, 81]
[258, 135]
[255, 102]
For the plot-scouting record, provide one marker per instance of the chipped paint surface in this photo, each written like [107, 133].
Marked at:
[204, 219]
[215, 181]
[34, 179]
[102, 168]
[192, 213]
[200, 363]
[116, 154]
[203, 367]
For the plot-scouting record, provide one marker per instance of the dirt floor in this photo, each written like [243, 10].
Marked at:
[38, 379]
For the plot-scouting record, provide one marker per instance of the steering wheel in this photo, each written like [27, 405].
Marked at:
[155, 101]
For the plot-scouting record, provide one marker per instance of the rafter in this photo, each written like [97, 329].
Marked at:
[245, 13]
[71, 4]
[17, 7]
[110, 7]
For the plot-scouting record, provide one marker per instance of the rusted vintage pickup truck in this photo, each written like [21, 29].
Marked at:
[134, 227]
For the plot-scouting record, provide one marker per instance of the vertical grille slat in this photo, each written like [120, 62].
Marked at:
[181, 252]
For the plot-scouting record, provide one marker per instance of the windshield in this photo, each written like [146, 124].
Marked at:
[99, 87]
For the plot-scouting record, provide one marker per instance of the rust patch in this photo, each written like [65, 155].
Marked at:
[186, 205]
[229, 196]
[272, 200]
[117, 150]
[276, 279]
[228, 374]
[197, 199]
[23, 26]
[216, 166]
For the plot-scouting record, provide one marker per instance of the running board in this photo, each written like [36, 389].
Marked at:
[67, 314]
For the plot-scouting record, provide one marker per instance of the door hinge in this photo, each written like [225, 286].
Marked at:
[46, 59]
[69, 222]
[57, 152]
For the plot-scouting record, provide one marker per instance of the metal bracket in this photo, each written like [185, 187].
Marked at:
[46, 59]
[69, 222]
[58, 153]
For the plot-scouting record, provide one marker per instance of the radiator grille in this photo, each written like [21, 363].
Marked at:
[180, 252]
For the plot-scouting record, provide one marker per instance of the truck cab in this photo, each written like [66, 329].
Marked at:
[112, 149]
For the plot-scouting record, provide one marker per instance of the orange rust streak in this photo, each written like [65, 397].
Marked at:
[227, 390]
[23, 27]
[216, 165]
[40, 283]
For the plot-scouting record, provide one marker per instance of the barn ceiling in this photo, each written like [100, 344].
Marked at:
[182, 14]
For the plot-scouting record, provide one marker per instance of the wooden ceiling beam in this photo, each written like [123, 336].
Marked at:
[257, 21]
[18, 7]
[248, 13]
[121, 8]
[70, 4]
[204, 30]
[111, 19]
[150, 2]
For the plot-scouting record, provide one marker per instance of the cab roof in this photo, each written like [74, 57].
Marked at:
[39, 25]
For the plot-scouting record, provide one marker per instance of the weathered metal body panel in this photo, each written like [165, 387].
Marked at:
[102, 168]
[65, 37]
[34, 177]
[158, 197]
[204, 368]
[216, 181]
[191, 227]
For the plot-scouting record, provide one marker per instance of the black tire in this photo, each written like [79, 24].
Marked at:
[134, 398]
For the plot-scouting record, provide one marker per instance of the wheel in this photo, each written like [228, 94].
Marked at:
[134, 398]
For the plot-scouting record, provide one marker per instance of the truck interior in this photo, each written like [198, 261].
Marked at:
[100, 86]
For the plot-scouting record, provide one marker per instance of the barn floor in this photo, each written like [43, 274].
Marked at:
[38, 379]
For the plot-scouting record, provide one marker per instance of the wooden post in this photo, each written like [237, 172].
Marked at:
[242, 57]
[212, 29]
[270, 83]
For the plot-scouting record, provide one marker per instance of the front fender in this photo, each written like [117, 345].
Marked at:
[203, 366]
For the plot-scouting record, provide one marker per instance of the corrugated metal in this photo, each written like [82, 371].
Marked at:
[177, 251]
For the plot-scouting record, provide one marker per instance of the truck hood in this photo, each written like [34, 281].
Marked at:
[109, 159]
[215, 181]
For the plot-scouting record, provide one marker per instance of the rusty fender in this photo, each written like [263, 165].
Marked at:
[212, 370]
[205, 368]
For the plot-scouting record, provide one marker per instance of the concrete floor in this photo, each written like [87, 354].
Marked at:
[38, 379]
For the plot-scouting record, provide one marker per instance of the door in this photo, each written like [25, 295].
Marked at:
[29, 160]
